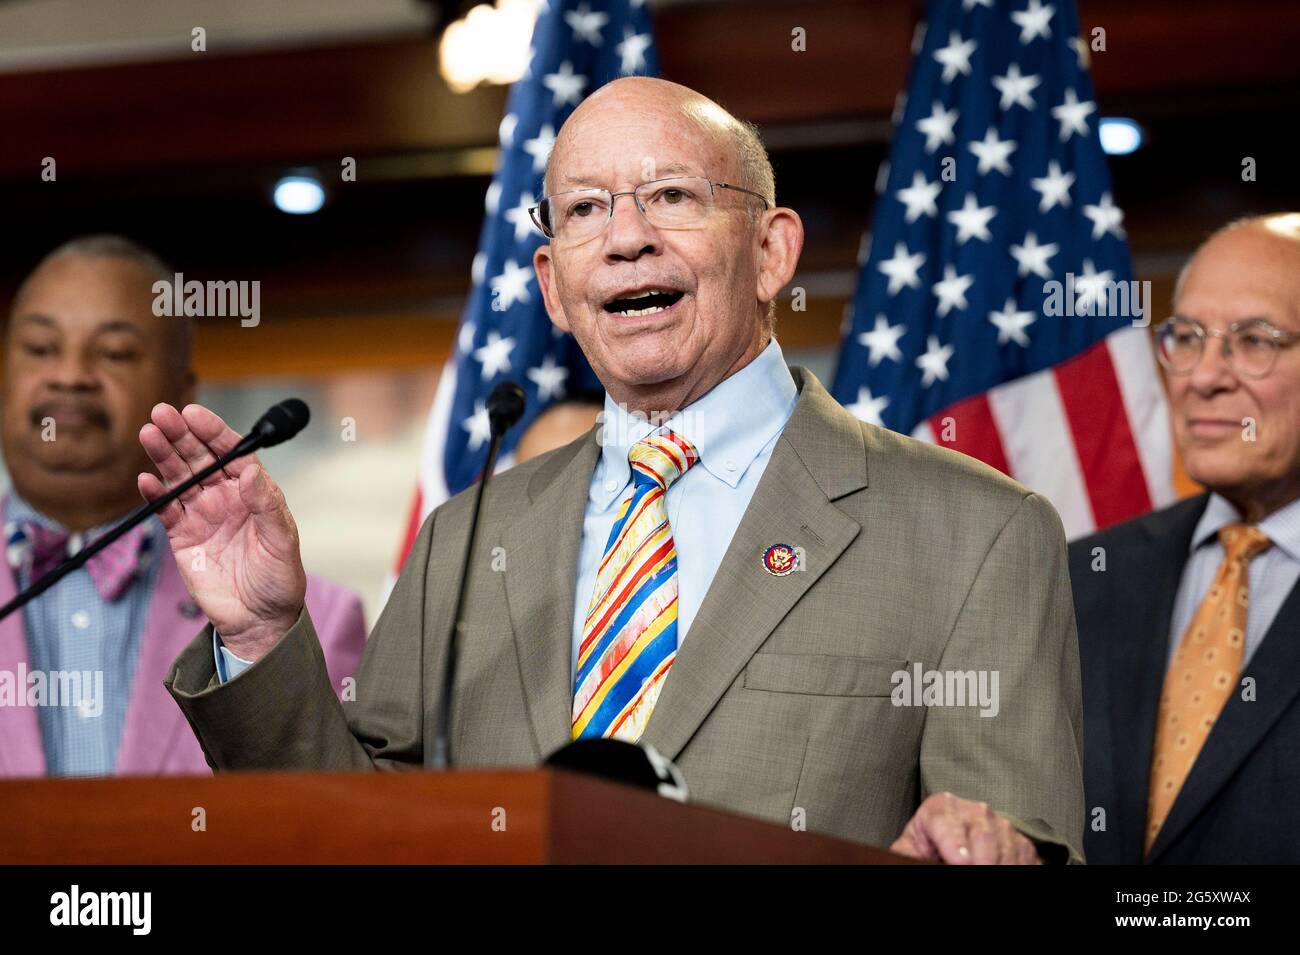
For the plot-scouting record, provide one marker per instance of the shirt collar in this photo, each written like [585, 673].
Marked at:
[729, 425]
[19, 512]
[1282, 526]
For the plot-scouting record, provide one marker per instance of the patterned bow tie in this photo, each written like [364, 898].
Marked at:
[36, 550]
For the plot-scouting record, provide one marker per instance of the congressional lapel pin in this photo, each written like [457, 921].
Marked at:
[779, 560]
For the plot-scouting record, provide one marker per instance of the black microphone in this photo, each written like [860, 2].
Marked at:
[505, 405]
[278, 425]
[633, 764]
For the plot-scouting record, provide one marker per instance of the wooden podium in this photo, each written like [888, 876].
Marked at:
[527, 816]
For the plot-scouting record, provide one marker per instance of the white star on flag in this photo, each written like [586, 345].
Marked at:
[565, 85]
[934, 363]
[1054, 187]
[1106, 217]
[883, 341]
[919, 198]
[955, 57]
[586, 25]
[1032, 257]
[1011, 324]
[495, 355]
[540, 147]
[549, 378]
[867, 408]
[993, 152]
[519, 218]
[902, 269]
[1034, 21]
[951, 291]
[506, 131]
[972, 221]
[511, 285]
[1015, 89]
[969, 5]
[479, 426]
[937, 127]
[1073, 115]
[1090, 288]
[465, 337]
[632, 50]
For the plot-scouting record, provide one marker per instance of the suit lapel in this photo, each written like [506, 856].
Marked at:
[1137, 672]
[21, 750]
[819, 457]
[1242, 724]
[154, 724]
[542, 558]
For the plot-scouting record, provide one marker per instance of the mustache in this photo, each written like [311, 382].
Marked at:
[93, 411]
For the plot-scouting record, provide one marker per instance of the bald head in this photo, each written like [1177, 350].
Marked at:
[664, 309]
[1275, 237]
[747, 164]
[1239, 432]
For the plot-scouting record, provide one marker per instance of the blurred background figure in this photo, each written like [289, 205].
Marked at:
[85, 359]
[1188, 616]
[560, 424]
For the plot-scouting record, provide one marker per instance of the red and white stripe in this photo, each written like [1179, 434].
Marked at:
[1090, 434]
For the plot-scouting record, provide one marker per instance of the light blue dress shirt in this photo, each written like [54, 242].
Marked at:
[72, 629]
[734, 428]
[1272, 574]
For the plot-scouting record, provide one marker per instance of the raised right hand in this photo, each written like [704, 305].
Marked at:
[234, 539]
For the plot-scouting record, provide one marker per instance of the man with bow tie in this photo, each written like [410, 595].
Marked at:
[85, 359]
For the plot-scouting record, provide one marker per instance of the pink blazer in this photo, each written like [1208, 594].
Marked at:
[156, 740]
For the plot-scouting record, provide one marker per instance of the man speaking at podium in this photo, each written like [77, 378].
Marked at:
[732, 569]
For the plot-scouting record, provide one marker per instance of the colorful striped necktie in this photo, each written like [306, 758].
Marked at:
[1203, 674]
[629, 639]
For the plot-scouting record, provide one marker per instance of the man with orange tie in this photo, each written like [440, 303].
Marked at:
[1189, 618]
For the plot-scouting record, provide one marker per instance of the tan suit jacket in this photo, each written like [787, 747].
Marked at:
[779, 702]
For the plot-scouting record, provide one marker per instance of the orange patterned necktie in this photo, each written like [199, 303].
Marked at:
[1203, 673]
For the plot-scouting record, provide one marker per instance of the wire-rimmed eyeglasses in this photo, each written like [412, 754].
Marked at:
[1250, 345]
[682, 202]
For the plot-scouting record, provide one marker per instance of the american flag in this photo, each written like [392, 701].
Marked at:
[505, 332]
[995, 227]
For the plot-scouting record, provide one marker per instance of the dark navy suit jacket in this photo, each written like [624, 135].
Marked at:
[1241, 801]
